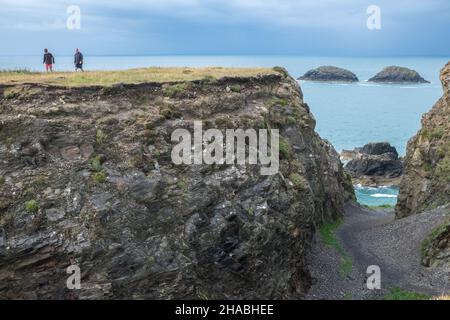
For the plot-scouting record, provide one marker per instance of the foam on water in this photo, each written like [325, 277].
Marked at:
[381, 195]
[376, 196]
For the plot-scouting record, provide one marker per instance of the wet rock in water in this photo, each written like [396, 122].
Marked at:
[329, 73]
[375, 163]
[395, 74]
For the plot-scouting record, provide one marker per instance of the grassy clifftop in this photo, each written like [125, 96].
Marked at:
[107, 78]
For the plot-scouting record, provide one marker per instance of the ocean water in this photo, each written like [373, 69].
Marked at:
[370, 196]
[348, 115]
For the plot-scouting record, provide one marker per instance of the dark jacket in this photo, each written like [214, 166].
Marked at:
[48, 58]
[78, 58]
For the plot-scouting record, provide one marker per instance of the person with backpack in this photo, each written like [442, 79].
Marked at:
[49, 60]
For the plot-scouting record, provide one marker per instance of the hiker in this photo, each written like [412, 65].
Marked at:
[78, 60]
[49, 60]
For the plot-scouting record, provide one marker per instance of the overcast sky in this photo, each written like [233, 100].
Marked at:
[211, 27]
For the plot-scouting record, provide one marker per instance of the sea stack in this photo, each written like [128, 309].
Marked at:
[376, 163]
[329, 74]
[395, 74]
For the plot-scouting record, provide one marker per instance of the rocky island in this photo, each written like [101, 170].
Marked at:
[395, 74]
[374, 164]
[87, 180]
[329, 74]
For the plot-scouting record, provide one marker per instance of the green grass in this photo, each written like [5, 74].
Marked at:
[443, 170]
[100, 136]
[2, 180]
[277, 102]
[327, 232]
[281, 70]
[436, 133]
[141, 75]
[284, 148]
[96, 164]
[31, 206]
[175, 90]
[298, 181]
[401, 294]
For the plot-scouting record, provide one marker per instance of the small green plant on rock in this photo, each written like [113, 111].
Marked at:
[429, 243]
[9, 94]
[235, 88]
[223, 122]
[31, 206]
[175, 90]
[100, 136]
[96, 164]
[284, 148]
[2, 180]
[100, 177]
[281, 70]
[437, 133]
[443, 170]
[298, 181]
[170, 112]
[277, 102]
[209, 79]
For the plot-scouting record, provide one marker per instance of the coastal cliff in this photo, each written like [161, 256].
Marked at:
[87, 179]
[426, 181]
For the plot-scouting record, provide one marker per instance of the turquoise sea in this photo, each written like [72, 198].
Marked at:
[348, 115]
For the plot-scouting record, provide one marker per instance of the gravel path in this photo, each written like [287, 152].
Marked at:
[376, 238]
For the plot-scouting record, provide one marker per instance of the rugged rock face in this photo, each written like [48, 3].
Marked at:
[397, 74]
[379, 148]
[436, 247]
[426, 182]
[329, 73]
[87, 179]
[373, 163]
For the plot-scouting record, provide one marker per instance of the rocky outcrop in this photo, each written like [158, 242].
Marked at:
[395, 74]
[329, 73]
[373, 164]
[426, 182]
[87, 179]
[436, 247]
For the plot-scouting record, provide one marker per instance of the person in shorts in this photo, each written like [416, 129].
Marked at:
[49, 61]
